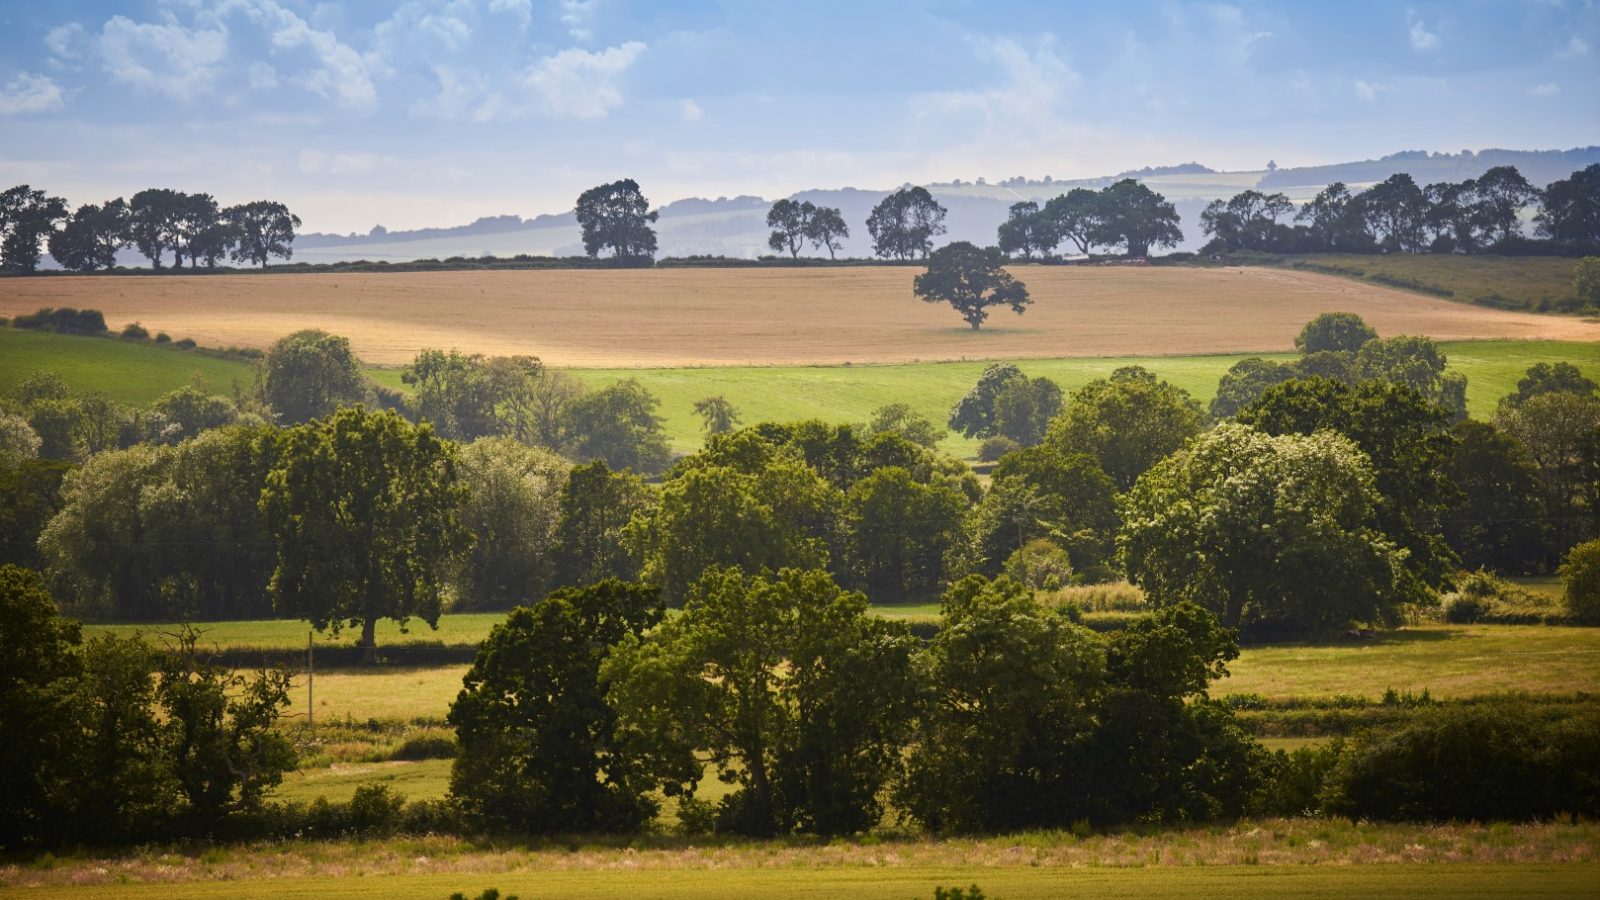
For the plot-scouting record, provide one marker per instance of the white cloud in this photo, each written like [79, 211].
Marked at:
[1548, 89]
[29, 93]
[521, 10]
[1421, 38]
[1034, 82]
[1369, 90]
[691, 111]
[1575, 47]
[164, 58]
[263, 77]
[318, 162]
[577, 15]
[340, 74]
[579, 83]
[67, 41]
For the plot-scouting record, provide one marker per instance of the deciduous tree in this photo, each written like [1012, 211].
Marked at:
[971, 279]
[904, 224]
[617, 217]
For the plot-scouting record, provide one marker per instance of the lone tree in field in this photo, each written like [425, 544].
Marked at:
[905, 223]
[617, 216]
[365, 510]
[790, 222]
[827, 229]
[263, 229]
[971, 279]
[719, 415]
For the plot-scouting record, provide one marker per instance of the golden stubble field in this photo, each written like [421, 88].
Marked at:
[708, 317]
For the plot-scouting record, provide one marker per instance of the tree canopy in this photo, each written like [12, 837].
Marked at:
[617, 217]
[971, 279]
[904, 224]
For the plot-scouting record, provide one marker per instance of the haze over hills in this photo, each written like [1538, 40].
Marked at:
[736, 226]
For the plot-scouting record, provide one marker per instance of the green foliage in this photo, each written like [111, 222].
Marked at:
[365, 511]
[1044, 492]
[261, 230]
[1497, 521]
[1580, 579]
[1040, 565]
[1549, 378]
[308, 375]
[790, 688]
[469, 396]
[995, 448]
[1407, 442]
[1128, 422]
[512, 509]
[1130, 215]
[1024, 408]
[719, 415]
[974, 414]
[971, 893]
[596, 505]
[185, 413]
[1336, 332]
[618, 425]
[27, 217]
[790, 222]
[38, 714]
[538, 748]
[899, 533]
[904, 224]
[902, 420]
[90, 239]
[971, 279]
[743, 502]
[1485, 761]
[66, 320]
[1586, 281]
[1261, 530]
[165, 533]
[1561, 431]
[30, 495]
[616, 216]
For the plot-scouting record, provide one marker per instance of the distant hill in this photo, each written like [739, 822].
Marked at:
[736, 226]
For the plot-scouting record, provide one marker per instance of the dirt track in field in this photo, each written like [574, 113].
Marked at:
[698, 317]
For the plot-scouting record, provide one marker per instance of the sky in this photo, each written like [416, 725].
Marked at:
[435, 112]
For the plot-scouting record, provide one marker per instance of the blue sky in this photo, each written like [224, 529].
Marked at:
[434, 112]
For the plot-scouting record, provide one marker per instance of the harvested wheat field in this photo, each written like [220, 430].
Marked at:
[695, 317]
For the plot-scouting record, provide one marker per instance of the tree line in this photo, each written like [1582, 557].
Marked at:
[503, 480]
[157, 221]
[1481, 215]
[586, 708]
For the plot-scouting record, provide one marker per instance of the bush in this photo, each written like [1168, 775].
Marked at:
[1465, 609]
[65, 320]
[1580, 575]
[163, 338]
[1040, 565]
[375, 810]
[994, 448]
[185, 344]
[1497, 760]
[133, 331]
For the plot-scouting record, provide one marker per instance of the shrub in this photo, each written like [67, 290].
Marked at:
[133, 331]
[994, 448]
[1465, 609]
[375, 810]
[163, 338]
[65, 320]
[185, 344]
[1580, 575]
[1040, 565]
[1497, 760]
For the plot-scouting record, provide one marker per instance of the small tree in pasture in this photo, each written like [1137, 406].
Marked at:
[971, 279]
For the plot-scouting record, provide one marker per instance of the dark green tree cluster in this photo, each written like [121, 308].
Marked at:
[796, 223]
[155, 221]
[783, 685]
[1125, 216]
[1396, 215]
[113, 740]
[616, 217]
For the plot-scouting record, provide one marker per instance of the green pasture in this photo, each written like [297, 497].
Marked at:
[1016, 881]
[1510, 282]
[134, 372]
[141, 372]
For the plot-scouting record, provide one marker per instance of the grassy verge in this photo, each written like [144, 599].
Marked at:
[1314, 858]
[128, 371]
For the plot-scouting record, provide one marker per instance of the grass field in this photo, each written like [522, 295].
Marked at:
[1306, 857]
[685, 317]
[138, 373]
[128, 371]
[1522, 282]
[1446, 660]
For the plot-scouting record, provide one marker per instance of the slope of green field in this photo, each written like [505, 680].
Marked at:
[851, 393]
[130, 371]
[1506, 282]
[139, 373]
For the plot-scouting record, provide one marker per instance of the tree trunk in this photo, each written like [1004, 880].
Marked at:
[369, 642]
[974, 323]
[1233, 612]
